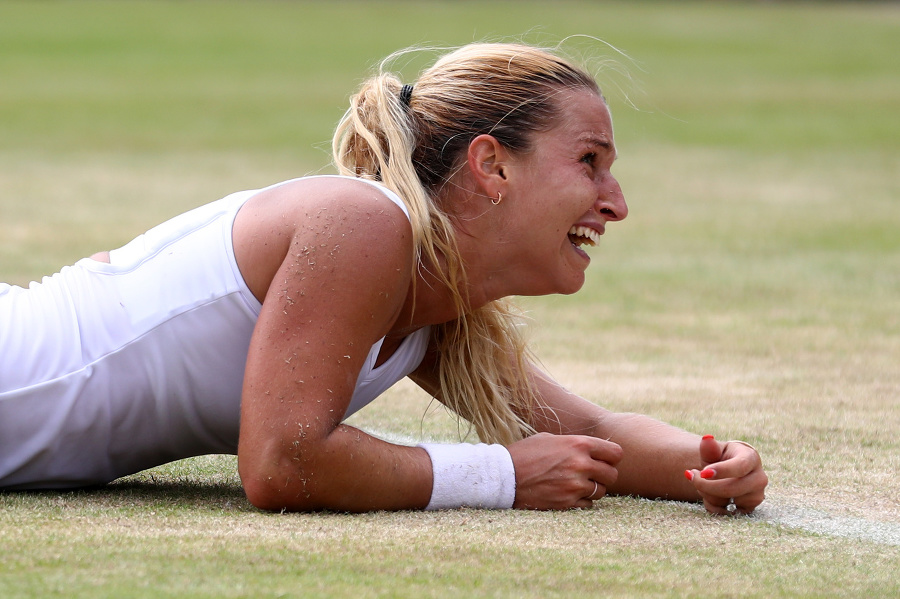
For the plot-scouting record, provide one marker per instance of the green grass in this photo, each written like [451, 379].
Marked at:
[158, 541]
[753, 291]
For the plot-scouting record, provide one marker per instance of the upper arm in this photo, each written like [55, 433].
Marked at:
[343, 274]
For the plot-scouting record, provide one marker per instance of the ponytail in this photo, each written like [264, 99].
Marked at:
[412, 141]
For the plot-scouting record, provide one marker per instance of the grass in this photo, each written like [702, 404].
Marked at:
[753, 292]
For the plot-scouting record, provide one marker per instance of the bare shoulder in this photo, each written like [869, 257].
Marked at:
[336, 221]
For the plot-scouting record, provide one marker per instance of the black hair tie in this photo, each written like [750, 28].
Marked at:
[406, 95]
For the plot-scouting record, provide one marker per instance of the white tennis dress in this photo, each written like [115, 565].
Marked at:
[109, 369]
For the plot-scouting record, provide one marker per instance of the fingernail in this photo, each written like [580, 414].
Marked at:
[707, 437]
[689, 475]
[707, 473]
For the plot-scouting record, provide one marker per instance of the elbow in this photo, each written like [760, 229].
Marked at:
[275, 489]
[262, 496]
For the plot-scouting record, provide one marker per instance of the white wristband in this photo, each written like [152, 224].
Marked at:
[466, 475]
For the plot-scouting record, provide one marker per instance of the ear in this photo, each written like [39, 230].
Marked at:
[488, 163]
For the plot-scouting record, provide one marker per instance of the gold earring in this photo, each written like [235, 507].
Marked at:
[499, 199]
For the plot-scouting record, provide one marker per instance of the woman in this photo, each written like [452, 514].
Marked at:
[256, 324]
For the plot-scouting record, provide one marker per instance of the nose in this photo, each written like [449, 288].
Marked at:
[611, 201]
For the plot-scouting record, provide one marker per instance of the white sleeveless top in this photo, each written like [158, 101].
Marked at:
[109, 369]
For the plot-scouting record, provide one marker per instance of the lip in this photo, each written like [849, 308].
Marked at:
[600, 228]
[581, 253]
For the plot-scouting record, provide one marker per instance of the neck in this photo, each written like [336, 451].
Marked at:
[429, 301]
[432, 302]
[485, 277]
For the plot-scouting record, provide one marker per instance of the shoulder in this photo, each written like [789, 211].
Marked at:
[341, 211]
[308, 201]
[361, 188]
[341, 221]
[329, 188]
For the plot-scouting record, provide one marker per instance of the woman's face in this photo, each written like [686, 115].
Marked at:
[561, 194]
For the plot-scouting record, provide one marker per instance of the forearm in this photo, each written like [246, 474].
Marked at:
[347, 470]
[655, 454]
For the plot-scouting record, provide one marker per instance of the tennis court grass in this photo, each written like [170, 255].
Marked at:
[753, 291]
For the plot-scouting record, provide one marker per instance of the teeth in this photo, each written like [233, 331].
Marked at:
[581, 235]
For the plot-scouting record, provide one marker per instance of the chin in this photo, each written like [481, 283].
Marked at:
[570, 287]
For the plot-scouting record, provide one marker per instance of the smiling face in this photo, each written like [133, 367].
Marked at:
[560, 195]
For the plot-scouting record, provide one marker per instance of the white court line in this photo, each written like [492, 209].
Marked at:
[779, 511]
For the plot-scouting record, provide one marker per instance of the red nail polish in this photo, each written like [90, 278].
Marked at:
[689, 475]
[705, 437]
[707, 473]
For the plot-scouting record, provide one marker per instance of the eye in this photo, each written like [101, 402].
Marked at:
[589, 158]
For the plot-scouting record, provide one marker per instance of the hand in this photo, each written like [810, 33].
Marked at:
[555, 472]
[732, 477]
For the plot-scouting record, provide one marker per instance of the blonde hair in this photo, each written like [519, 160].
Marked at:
[414, 147]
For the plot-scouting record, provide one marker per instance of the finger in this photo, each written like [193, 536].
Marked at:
[747, 492]
[710, 450]
[603, 474]
[747, 503]
[735, 467]
[581, 495]
[595, 459]
[723, 487]
[596, 492]
[737, 460]
[583, 504]
[605, 451]
[719, 507]
[734, 506]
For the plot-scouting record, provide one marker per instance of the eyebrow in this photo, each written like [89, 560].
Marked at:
[594, 140]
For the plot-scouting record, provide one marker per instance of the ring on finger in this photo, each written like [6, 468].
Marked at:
[594, 492]
[731, 507]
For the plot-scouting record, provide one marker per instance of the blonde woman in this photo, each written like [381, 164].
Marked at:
[256, 324]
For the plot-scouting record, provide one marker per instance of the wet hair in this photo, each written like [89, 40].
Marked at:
[414, 141]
